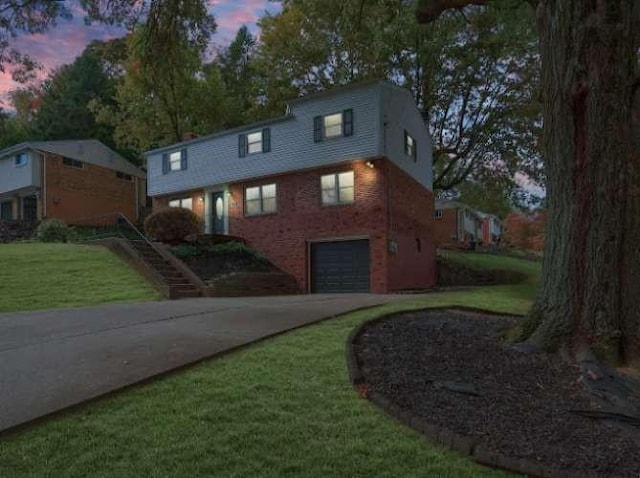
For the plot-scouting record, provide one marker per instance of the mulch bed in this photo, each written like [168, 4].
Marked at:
[451, 368]
[209, 265]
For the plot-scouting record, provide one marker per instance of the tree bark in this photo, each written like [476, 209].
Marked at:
[590, 292]
[590, 288]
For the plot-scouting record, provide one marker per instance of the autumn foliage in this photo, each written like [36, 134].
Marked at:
[525, 231]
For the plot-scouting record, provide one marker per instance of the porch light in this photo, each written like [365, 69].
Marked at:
[370, 164]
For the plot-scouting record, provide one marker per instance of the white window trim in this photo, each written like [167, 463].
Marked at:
[338, 125]
[260, 199]
[250, 143]
[172, 161]
[180, 202]
[439, 213]
[337, 188]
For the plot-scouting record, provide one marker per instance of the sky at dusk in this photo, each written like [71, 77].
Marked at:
[64, 42]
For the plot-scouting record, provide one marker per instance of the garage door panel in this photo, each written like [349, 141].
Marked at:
[340, 266]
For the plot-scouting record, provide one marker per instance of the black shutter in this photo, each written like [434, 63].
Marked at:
[415, 151]
[183, 159]
[406, 142]
[242, 145]
[165, 163]
[266, 140]
[347, 122]
[317, 129]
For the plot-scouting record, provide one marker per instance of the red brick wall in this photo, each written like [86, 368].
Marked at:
[283, 237]
[446, 227]
[73, 193]
[411, 228]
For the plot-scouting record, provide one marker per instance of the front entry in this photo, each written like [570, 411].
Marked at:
[217, 212]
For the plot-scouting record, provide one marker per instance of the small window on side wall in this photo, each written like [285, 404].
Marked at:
[438, 213]
[337, 188]
[73, 163]
[20, 159]
[410, 146]
[260, 200]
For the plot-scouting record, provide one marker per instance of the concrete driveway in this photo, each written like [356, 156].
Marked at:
[51, 360]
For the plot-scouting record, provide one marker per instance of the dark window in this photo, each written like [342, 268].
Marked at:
[333, 125]
[6, 210]
[20, 159]
[73, 163]
[418, 244]
[30, 208]
[124, 176]
[260, 200]
[438, 213]
[337, 188]
[410, 146]
[175, 161]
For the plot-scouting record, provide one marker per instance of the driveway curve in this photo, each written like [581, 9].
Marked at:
[53, 359]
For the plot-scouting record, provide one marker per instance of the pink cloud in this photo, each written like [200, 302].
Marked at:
[63, 43]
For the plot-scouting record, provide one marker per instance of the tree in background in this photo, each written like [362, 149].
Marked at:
[525, 231]
[591, 98]
[63, 111]
[236, 66]
[473, 74]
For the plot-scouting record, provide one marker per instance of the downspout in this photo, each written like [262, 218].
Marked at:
[135, 188]
[43, 156]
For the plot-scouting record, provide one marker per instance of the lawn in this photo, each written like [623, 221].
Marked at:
[46, 276]
[281, 408]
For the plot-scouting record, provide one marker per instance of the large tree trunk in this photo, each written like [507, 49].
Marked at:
[590, 293]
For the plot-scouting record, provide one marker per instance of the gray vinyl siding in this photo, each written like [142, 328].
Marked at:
[17, 177]
[399, 113]
[216, 161]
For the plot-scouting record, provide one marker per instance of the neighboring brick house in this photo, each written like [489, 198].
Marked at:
[457, 223]
[337, 192]
[68, 180]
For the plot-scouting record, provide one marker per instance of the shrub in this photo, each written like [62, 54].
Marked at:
[54, 230]
[235, 247]
[172, 225]
[185, 250]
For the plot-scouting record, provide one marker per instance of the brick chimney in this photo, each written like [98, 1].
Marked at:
[189, 136]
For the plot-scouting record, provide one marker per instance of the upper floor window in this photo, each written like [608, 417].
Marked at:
[410, 146]
[73, 163]
[260, 200]
[337, 188]
[256, 142]
[186, 203]
[175, 161]
[124, 176]
[333, 125]
[20, 159]
[438, 213]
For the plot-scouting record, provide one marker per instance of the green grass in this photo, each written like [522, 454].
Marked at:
[281, 408]
[46, 276]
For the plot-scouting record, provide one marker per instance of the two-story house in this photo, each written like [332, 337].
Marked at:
[68, 180]
[337, 192]
[456, 223]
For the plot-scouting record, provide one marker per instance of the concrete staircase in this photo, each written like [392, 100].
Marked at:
[177, 284]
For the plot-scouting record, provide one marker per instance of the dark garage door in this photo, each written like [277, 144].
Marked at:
[341, 266]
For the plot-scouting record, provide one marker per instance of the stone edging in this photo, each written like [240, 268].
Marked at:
[460, 443]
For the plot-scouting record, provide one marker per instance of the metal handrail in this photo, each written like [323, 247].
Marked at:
[118, 218]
